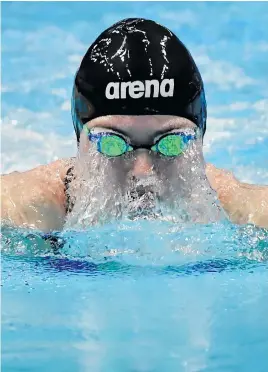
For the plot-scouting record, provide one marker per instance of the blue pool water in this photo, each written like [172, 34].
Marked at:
[140, 296]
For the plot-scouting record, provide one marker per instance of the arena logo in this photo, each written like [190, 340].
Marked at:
[138, 89]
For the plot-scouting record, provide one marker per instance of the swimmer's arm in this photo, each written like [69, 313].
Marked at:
[244, 203]
[35, 198]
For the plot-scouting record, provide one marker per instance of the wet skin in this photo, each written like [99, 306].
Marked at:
[36, 198]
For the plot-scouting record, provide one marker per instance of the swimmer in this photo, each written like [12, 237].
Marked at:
[139, 114]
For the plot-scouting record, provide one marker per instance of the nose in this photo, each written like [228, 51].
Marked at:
[142, 164]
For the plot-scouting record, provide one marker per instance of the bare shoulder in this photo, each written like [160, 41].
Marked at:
[244, 203]
[39, 192]
[54, 172]
[41, 182]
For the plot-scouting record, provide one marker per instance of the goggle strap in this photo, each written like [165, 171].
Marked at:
[86, 130]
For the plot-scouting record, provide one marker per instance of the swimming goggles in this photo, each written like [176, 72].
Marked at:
[112, 144]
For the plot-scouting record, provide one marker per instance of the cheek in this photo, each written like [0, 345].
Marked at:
[121, 166]
[115, 173]
[175, 171]
[167, 168]
[84, 144]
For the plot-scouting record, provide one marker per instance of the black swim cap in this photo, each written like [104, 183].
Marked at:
[138, 67]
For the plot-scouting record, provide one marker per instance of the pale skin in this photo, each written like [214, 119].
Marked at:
[36, 198]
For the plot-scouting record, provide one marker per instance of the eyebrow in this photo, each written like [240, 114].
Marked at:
[167, 127]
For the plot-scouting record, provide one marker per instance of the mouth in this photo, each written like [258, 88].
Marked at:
[140, 191]
[142, 201]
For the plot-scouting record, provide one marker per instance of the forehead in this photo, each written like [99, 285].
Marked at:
[132, 124]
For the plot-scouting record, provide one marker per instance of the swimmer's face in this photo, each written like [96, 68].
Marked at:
[143, 172]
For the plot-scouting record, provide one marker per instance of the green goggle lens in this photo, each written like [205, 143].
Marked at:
[112, 145]
[170, 145]
[109, 144]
